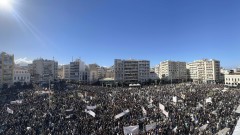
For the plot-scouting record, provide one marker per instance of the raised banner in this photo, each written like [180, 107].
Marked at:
[133, 130]
[151, 126]
[90, 112]
[175, 99]
[91, 107]
[121, 114]
[223, 131]
[9, 110]
[16, 102]
[161, 107]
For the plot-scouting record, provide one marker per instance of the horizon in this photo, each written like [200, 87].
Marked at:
[101, 31]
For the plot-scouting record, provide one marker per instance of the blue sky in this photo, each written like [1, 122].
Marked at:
[98, 31]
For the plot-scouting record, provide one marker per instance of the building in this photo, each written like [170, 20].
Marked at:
[232, 79]
[60, 72]
[204, 71]
[6, 69]
[153, 76]
[66, 72]
[79, 71]
[93, 73]
[173, 71]
[21, 75]
[131, 71]
[109, 72]
[44, 70]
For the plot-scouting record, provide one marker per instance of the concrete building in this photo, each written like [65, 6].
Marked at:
[173, 71]
[44, 70]
[21, 75]
[60, 72]
[204, 71]
[109, 72]
[66, 72]
[79, 71]
[6, 69]
[153, 76]
[232, 80]
[131, 71]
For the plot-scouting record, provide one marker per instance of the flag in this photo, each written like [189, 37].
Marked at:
[121, 114]
[175, 99]
[133, 130]
[144, 111]
[69, 110]
[9, 110]
[28, 128]
[90, 112]
[151, 126]
[161, 107]
[91, 107]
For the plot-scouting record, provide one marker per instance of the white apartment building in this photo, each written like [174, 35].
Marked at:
[6, 69]
[172, 71]
[21, 75]
[131, 71]
[232, 80]
[79, 71]
[157, 70]
[44, 70]
[204, 71]
[93, 72]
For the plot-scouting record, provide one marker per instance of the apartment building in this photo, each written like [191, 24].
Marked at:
[79, 71]
[6, 69]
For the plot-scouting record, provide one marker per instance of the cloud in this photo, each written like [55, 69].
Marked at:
[23, 61]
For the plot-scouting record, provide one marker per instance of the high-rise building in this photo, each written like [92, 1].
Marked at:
[93, 72]
[204, 71]
[131, 71]
[44, 70]
[173, 71]
[6, 69]
[79, 71]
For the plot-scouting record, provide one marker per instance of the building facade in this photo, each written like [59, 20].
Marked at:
[172, 71]
[79, 71]
[6, 69]
[204, 71]
[232, 80]
[66, 72]
[44, 70]
[21, 75]
[131, 71]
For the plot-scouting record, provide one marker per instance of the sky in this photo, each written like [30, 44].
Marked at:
[99, 31]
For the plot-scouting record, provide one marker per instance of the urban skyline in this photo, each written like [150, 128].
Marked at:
[99, 32]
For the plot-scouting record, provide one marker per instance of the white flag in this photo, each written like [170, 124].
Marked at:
[121, 114]
[175, 129]
[165, 113]
[16, 102]
[133, 130]
[90, 112]
[9, 110]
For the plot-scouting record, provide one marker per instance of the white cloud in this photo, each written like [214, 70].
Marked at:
[23, 61]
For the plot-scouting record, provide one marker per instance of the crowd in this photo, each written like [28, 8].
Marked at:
[66, 113]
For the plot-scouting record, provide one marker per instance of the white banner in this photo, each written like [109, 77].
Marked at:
[121, 114]
[238, 109]
[175, 129]
[223, 131]
[16, 102]
[9, 110]
[204, 127]
[133, 130]
[165, 113]
[90, 112]
[91, 107]
[151, 126]
[69, 110]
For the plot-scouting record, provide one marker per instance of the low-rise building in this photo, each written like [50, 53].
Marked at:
[232, 80]
[21, 75]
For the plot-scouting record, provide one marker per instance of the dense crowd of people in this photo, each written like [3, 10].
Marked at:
[65, 112]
